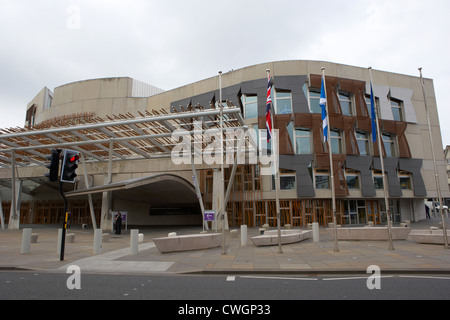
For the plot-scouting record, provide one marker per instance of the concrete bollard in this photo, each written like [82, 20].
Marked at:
[134, 237]
[243, 235]
[315, 229]
[98, 236]
[26, 241]
[58, 244]
[141, 237]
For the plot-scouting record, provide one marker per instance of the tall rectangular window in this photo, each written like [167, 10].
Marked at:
[345, 100]
[283, 102]
[336, 141]
[314, 100]
[302, 141]
[389, 144]
[405, 180]
[377, 179]
[397, 110]
[250, 104]
[363, 143]
[264, 147]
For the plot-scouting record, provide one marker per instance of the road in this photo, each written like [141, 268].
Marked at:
[32, 285]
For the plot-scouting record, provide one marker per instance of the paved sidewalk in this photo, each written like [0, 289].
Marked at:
[307, 257]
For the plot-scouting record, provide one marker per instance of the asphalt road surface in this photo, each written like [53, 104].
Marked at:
[32, 285]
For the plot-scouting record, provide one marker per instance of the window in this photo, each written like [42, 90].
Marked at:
[336, 141]
[363, 143]
[389, 146]
[314, 100]
[250, 104]
[302, 141]
[369, 106]
[345, 100]
[283, 102]
[352, 177]
[378, 179]
[405, 180]
[264, 147]
[287, 180]
[322, 177]
[397, 110]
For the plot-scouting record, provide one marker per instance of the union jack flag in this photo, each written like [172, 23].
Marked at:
[268, 107]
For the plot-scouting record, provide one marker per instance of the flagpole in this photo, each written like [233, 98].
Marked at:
[222, 162]
[330, 152]
[277, 173]
[434, 163]
[380, 137]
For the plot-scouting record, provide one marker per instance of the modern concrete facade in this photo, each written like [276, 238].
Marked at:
[305, 194]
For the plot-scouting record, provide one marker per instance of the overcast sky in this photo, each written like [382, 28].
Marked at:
[48, 43]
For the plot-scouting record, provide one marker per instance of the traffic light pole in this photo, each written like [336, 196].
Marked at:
[66, 214]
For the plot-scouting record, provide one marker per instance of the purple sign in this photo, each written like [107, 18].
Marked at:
[209, 215]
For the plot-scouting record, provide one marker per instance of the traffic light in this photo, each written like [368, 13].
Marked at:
[53, 165]
[69, 166]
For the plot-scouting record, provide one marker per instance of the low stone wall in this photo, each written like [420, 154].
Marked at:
[370, 233]
[188, 242]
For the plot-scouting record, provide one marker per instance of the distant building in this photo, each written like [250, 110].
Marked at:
[155, 191]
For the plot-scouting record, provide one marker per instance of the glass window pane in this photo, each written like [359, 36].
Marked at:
[362, 146]
[405, 183]
[378, 182]
[396, 112]
[322, 182]
[346, 108]
[336, 142]
[346, 105]
[353, 182]
[388, 142]
[251, 110]
[250, 99]
[303, 141]
[283, 95]
[284, 106]
[315, 105]
[286, 182]
[303, 145]
[250, 104]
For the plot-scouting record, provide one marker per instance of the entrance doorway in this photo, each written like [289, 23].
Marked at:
[373, 211]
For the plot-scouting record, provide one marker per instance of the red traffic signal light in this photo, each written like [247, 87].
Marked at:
[70, 164]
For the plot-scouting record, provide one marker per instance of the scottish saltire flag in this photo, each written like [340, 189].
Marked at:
[373, 115]
[323, 105]
[268, 107]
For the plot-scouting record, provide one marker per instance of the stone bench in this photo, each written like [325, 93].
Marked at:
[270, 238]
[370, 233]
[176, 243]
[234, 233]
[34, 237]
[432, 236]
[105, 237]
[70, 237]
